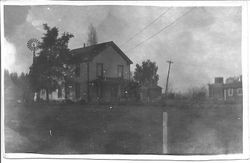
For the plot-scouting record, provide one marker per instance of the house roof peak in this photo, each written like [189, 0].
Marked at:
[87, 53]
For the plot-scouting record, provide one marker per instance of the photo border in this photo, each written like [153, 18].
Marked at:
[245, 73]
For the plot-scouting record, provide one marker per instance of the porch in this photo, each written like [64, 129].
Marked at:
[107, 89]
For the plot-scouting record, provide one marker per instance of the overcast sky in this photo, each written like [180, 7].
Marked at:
[203, 44]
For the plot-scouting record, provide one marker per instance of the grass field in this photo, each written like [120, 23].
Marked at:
[193, 128]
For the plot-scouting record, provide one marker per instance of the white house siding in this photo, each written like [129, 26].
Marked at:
[53, 95]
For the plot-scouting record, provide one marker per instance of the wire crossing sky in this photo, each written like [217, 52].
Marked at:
[203, 42]
[143, 29]
[167, 26]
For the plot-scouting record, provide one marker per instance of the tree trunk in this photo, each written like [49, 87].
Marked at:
[38, 96]
[47, 95]
[65, 91]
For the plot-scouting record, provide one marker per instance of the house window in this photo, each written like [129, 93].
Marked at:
[99, 69]
[239, 91]
[230, 92]
[77, 70]
[120, 71]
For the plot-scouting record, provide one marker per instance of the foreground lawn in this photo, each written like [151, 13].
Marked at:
[205, 129]
[198, 128]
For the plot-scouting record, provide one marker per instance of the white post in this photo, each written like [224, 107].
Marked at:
[165, 132]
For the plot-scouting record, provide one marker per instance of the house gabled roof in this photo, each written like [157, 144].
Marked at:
[85, 54]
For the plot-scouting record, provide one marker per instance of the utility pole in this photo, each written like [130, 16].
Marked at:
[169, 63]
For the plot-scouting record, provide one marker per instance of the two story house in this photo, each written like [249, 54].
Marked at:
[101, 73]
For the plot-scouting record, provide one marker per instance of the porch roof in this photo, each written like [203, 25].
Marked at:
[109, 80]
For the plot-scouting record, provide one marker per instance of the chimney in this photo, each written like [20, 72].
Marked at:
[218, 80]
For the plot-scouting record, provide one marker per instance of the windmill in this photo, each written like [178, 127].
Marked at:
[32, 44]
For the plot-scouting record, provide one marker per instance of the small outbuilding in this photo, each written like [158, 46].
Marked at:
[150, 92]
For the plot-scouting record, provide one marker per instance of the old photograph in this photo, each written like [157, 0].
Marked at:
[122, 79]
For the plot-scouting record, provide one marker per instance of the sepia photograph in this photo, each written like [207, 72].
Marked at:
[122, 79]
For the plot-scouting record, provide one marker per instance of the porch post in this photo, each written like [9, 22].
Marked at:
[88, 82]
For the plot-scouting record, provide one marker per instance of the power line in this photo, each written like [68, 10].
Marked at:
[161, 29]
[143, 29]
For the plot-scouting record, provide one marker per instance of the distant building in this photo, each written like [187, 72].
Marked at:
[215, 90]
[150, 92]
[231, 90]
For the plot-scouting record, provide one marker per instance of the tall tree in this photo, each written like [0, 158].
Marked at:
[50, 66]
[146, 73]
[92, 35]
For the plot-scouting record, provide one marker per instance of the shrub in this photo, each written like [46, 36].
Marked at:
[171, 95]
[82, 102]
[68, 101]
[199, 93]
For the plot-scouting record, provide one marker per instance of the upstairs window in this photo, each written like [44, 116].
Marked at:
[99, 70]
[120, 71]
[77, 70]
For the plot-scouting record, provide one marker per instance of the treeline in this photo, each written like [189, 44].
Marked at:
[195, 93]
[17, 87]
[22, 80]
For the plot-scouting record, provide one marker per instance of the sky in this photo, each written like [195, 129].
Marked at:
[203, 42]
